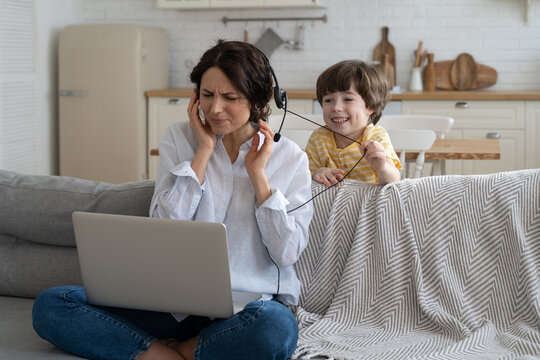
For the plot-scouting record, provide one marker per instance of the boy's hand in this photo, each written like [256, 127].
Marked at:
[375, 155]
[328, 176]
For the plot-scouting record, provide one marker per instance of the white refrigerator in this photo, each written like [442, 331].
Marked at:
[104, 71]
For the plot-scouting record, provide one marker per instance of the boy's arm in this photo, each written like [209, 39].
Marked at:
[377, 157]
[389, 173]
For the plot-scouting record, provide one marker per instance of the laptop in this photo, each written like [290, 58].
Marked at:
[155, 264]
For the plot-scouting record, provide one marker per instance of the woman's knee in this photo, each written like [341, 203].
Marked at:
[51, 303]
[278, 329]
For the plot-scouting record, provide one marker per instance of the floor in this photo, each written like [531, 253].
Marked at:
[18, 341]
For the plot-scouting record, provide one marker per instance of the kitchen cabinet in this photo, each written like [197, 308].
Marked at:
[164, 111]
[299, 106]
[479, 119]
[225, 4]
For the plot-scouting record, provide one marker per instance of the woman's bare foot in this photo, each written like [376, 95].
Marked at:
[160, 351]
[171, 349]
[185, 348]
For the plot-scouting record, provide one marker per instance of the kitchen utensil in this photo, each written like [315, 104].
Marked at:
[388, 70]
[385, 47]
[416, 80]
[442, 74]
[429, 73]
[269, 42]
[486, 76]
[418, 54]
[423, 58]
[463, 72]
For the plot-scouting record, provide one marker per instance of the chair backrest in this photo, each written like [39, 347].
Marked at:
[404, 140]
[296, 128]
[440, 124]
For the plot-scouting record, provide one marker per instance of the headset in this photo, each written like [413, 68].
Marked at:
[280, 96]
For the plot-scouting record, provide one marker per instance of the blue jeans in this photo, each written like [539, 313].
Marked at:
[61, 315]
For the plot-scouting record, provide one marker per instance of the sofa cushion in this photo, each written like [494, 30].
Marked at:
[27, 268]
[38, 208]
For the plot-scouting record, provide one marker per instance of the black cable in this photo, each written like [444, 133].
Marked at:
[343, 178]
[313, 122]
[278, 272]
[328, 188]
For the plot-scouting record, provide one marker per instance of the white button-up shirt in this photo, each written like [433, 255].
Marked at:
[227, 196]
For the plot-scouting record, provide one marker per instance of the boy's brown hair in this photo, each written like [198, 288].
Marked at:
[369, 82]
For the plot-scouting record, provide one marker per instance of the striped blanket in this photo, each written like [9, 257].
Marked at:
[440, 267]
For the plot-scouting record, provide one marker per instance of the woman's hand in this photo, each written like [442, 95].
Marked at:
[256, 160]
[328, 176]
[206, 139]
[203, 132]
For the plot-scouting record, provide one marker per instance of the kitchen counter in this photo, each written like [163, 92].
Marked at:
[406, 95]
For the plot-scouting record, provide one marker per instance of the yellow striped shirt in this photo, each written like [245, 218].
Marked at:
[323, 152]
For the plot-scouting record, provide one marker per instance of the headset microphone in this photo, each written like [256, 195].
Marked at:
[280, 98]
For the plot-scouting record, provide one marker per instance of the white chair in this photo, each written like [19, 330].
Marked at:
[405, 140]
[295, 128]
[440, 124]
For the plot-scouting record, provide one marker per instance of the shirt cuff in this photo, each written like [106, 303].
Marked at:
[276, 201]
[184, 169]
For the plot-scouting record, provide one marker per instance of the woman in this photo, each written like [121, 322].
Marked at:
[224, 169]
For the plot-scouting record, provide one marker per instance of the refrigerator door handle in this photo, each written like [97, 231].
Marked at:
[72, 93]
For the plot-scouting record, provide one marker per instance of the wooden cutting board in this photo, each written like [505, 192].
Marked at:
[444, 80]
[463, 72]
[442, 74]
[388, 70]
[385, 47]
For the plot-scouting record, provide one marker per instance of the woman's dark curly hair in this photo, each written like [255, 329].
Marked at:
[248, 70]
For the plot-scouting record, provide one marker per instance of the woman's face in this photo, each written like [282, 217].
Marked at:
[224, 107]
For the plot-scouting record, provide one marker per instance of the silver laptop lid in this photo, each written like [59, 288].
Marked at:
[154, 264]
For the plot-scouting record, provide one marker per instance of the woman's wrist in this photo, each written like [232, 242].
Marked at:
[261, 187]
[199, 162]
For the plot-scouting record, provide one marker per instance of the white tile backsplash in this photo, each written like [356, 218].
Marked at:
[493, 31]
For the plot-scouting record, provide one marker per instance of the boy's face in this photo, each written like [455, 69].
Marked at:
[345, 112]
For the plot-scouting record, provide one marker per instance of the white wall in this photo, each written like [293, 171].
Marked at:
[493, 31]
[51, 17]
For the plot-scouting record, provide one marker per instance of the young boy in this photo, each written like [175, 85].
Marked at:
[352, 95]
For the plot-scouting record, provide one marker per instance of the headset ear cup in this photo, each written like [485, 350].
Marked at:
[279, 97]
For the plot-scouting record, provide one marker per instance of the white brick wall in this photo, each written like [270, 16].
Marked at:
[493, 31]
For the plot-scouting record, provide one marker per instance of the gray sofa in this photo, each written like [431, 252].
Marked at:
[437, 267]
[37, 246]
